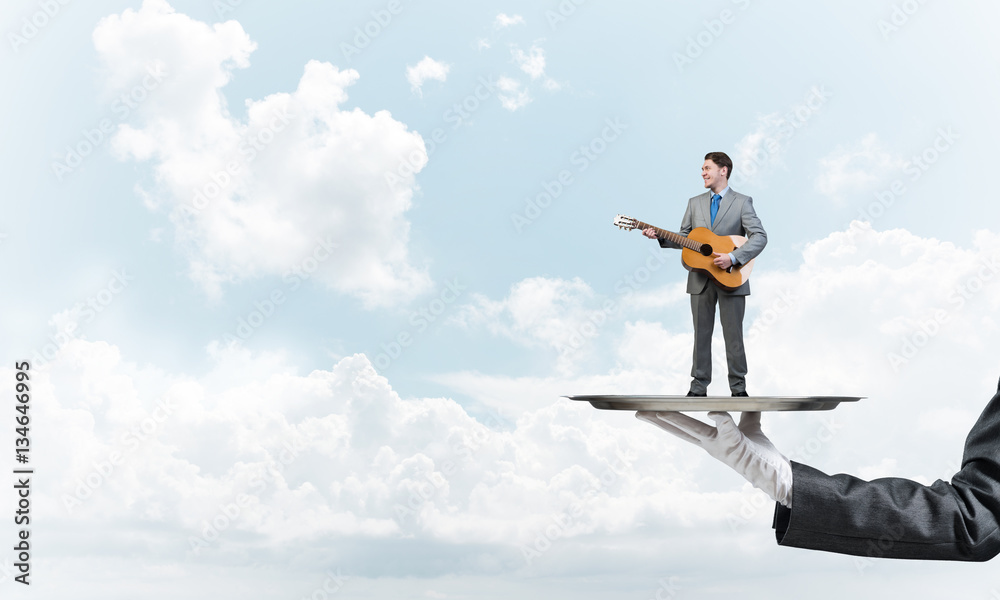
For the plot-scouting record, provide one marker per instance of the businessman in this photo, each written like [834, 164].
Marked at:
[884, 518]
[724, 212]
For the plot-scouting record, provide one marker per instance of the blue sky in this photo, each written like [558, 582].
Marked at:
[379, 234]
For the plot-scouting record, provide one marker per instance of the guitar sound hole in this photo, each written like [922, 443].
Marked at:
[705, 250]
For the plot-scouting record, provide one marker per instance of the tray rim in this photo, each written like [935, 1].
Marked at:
[649, 402]
[697, 398]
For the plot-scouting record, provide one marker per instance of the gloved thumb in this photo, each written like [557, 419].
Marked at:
[726, 427]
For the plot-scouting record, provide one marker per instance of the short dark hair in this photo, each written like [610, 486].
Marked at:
[722, 159]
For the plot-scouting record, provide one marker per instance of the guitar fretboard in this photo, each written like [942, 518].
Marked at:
[670, 235]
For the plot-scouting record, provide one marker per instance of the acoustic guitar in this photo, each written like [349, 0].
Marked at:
[697, 251]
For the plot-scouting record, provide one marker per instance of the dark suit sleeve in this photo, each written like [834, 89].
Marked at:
[900, 518]
[686, 227]
[755, 234]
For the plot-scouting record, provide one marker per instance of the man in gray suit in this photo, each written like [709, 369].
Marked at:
[724, 212]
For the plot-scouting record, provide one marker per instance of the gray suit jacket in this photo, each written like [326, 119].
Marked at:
[899, 518]
[735, 217]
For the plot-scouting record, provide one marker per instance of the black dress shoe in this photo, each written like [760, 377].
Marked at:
[694, 395]
[740, 395]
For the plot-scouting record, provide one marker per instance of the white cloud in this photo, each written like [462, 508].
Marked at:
[427, 68]
[555, 314]
[857, 170]
[503, 21]
[531, 62]
[299, 179]
[335, 462]
[512, 95]
[252, 458]
[761, 149]
[883, 314]
[515, 94]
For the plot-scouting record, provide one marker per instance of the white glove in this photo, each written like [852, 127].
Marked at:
[745, 448]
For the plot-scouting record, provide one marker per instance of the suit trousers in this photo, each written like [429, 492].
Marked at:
[731, 310]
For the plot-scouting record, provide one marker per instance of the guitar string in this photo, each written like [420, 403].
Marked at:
[673, 237]
[676, 238]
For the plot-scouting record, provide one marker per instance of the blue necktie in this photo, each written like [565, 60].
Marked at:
[715, 206]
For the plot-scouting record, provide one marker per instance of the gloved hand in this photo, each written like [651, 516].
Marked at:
[745, 448]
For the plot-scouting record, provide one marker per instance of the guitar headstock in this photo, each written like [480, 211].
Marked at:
[623, 222]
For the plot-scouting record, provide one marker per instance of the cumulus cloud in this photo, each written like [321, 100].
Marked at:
[503, 21]
[427, 68]
[555, 314]
[252, 458]
[858, 169]
[299, 181]
[531, 62]
[884, 314]
[513, 95]
[760, 149]
[764, 148]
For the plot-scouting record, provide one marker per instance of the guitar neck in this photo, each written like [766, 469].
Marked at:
[670, 235]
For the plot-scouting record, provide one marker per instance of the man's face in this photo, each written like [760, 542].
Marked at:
[714, 175]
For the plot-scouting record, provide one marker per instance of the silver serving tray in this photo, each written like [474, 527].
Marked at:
[711, 403]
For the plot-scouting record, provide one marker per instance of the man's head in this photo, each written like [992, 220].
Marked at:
[717, 170]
